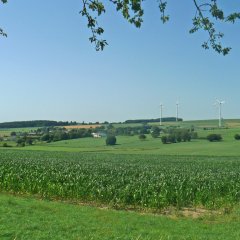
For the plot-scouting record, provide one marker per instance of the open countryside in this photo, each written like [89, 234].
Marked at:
[119, 120]
[194, 182]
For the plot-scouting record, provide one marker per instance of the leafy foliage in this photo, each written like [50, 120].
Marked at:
[3, 33]
[1, 30]
[207, 14]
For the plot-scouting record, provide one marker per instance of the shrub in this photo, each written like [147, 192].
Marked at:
[178, 137]
[20, 141]
[164, 139]
[142, 137]
[6, 145]
[29, 141]
[186, 136]
[171, 138]
[237, 136]
[214, 137]
[111, 140]
[144, 130]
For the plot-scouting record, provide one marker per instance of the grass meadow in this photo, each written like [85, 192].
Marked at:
[29, 218]
[132, 145]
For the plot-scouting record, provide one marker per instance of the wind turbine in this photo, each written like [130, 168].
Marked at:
[177, 110]
[219, 104]
[161, 113]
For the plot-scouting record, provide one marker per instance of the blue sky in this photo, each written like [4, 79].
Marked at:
[49, 69]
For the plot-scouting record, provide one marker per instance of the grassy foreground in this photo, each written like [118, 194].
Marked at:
[28, 218]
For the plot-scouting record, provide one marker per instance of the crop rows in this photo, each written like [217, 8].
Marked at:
[138, 181]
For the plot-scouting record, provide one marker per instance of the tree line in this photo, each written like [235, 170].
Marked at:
[166, 119]
[35, 123]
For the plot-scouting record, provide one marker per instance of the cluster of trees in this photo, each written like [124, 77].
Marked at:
[23, 138]
[21, 142]
[35, 123]
[166, 119]
[49, 134]
[60, 134]
[131, 131]
[127, 131]
[179, 135]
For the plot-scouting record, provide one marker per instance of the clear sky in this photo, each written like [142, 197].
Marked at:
[49, 69]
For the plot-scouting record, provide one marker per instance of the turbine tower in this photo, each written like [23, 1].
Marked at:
[161, 113]
[177, 109]
[219, 104]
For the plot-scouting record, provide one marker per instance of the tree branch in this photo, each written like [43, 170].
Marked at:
[1, 30]
[203, 22]
[207, 13]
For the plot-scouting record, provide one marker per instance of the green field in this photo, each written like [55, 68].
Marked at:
[132, 145]
[142, 176]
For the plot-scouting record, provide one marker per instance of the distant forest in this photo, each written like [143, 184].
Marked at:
[35, 123]
[166, 119]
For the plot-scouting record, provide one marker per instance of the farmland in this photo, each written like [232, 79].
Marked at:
[132, 145]
[123, 181]
[146, 177]
[7, 131]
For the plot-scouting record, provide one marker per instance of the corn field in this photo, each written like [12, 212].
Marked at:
[124, 181]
